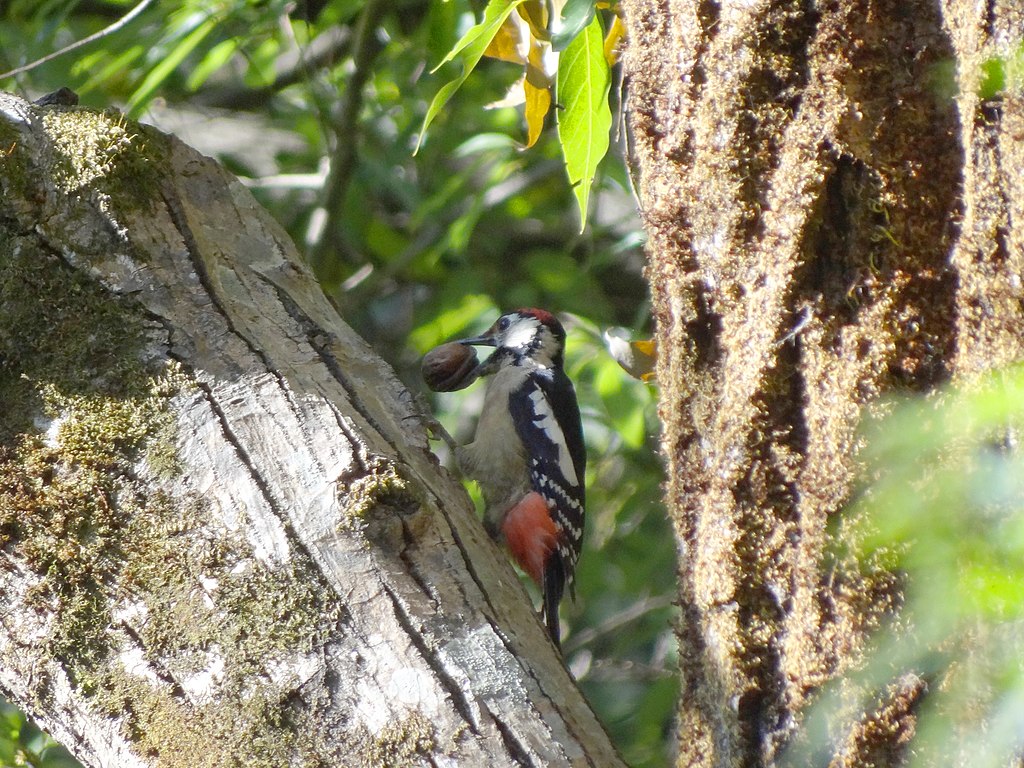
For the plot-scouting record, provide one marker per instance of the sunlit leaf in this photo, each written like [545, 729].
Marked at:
[538, 102]
[119, 64]
[452, 322]
[471, 48]
[262, 60]
[216, 58]
[537, 88]
[482, 32]
[507, 43]
[609, 380]
[585, 117]
[631, 427]
[535, 13]
[167, 65]
[576, 16]
[613, 40]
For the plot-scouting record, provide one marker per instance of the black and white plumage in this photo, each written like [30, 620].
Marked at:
[529, 447]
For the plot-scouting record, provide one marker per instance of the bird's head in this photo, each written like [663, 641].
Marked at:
[524, 334]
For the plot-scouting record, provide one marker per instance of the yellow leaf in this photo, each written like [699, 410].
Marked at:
[535, 13]
[538, 94]
[613, 40]
[536, 69]
[646, 347]
[637, 358]
[507, 43]
[538, 101]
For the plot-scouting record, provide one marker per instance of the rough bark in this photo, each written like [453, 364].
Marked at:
[834, 213]
[223, 537]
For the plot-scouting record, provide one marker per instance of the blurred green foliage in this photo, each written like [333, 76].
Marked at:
[22, 744]
[994, 78]
[943, 506]
[319, 103]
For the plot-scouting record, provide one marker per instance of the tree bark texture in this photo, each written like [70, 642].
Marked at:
[834, 208]
[223, 538]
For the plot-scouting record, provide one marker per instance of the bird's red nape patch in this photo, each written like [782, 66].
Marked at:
[531, 534]
[542, 315]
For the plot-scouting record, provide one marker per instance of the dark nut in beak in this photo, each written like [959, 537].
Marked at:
[449, 367]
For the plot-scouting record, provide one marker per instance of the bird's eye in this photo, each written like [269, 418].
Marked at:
[503, 324]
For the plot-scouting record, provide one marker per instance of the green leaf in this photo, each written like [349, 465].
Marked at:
[163, 70]
[470, 48]
[115, 67]
[585, 118]
[451, 322]
[576, 15]
[214, 60]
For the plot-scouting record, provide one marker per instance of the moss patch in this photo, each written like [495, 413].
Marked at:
[80, 408]
[87, 143]
[399, 743]
[380, 485]
[105, 153]
[59, 328]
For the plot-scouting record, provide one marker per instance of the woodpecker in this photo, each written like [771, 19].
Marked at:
[527, 454]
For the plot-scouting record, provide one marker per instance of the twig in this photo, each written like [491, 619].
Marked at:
[616, 620]
[365, 48]
[609, 671]
[108, 30]
[323, 51]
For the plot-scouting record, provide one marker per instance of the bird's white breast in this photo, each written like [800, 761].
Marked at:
[496, 458]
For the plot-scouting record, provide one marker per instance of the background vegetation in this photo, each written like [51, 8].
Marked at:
[318, 106]
[942, 505]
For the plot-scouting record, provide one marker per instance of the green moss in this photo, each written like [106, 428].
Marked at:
[98, 430]
[73, 509]
[59, 327]
[205, 736]
[106, 153]
[399, 743]
[67, 502]
[192, 578]
[380, 485]
[71, 358]
[206, 598]
[253, 731]
[383, 505]
[87, 145]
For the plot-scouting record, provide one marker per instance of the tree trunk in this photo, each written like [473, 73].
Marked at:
[223, 538]
[834, 208]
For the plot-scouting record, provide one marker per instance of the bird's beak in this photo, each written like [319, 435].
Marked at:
[479, 341]
[487, 339]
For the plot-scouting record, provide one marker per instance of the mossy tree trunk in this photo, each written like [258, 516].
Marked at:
[834, 199]
[223, 538]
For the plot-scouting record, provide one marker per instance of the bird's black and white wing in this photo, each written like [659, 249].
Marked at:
[547, 420]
